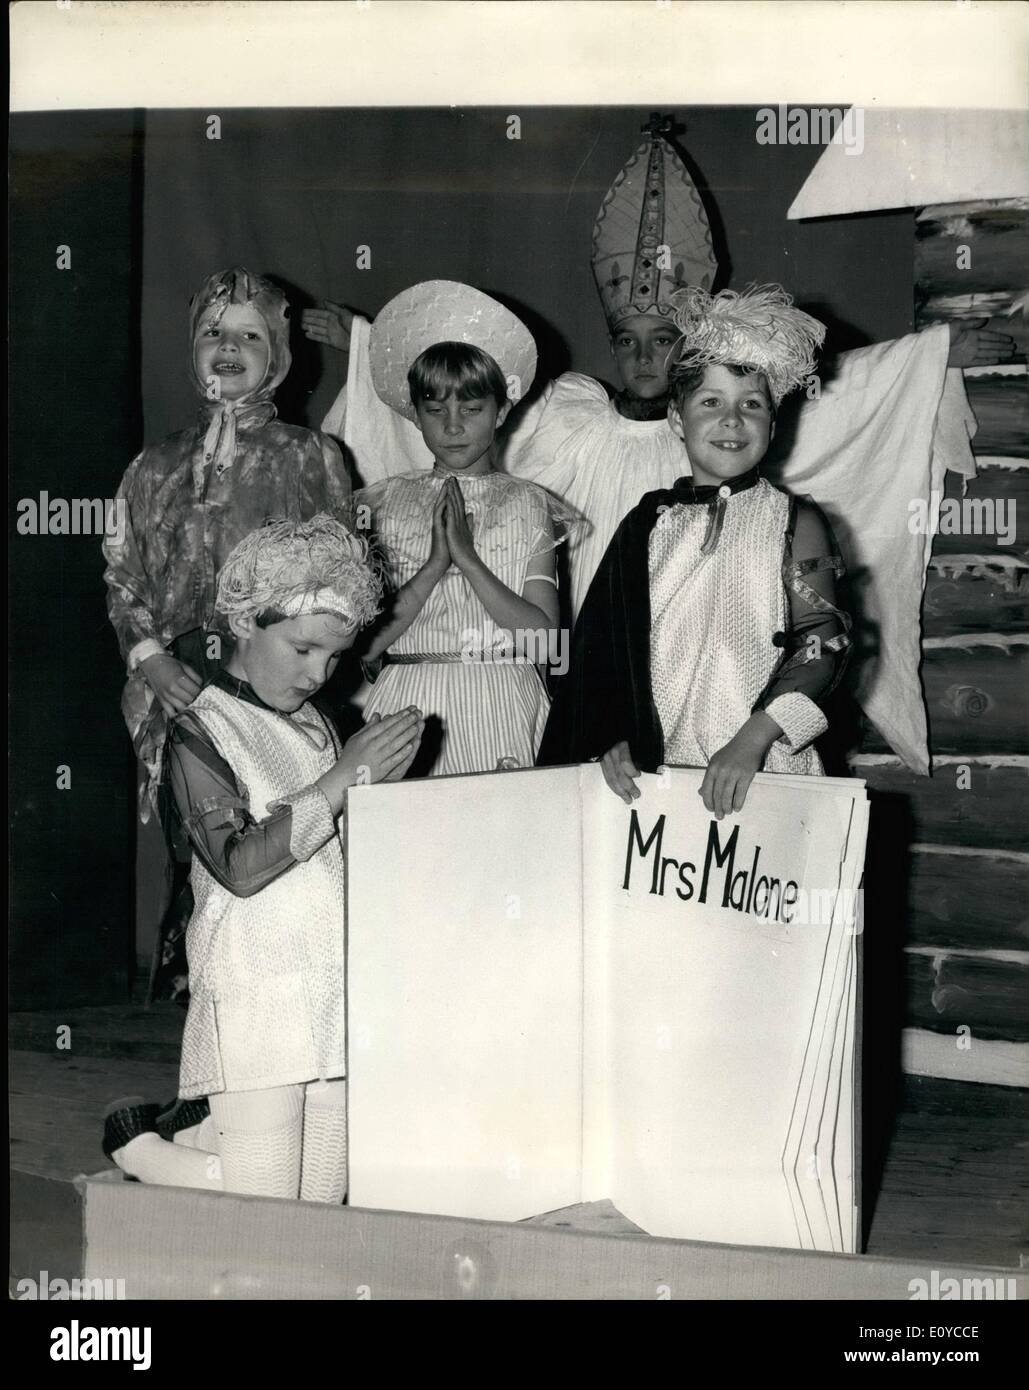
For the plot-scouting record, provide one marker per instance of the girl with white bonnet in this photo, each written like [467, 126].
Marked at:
[259, 779]
[470, 551]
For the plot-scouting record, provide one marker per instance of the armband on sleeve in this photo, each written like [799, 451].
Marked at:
[799, 718]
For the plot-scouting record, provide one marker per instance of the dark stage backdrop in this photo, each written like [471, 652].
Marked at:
[76, 181]
[444, 194]
[431, 193]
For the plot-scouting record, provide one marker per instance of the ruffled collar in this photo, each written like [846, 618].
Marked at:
[637, 409]
[443, 474]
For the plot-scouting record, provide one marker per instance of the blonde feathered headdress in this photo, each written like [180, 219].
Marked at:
[301, 567]
[760, 328]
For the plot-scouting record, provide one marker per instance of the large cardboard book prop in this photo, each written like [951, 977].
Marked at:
[555, 998]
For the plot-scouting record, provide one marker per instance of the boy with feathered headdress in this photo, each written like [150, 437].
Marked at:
[710, 632]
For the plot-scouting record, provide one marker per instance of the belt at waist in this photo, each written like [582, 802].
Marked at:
[456, 659]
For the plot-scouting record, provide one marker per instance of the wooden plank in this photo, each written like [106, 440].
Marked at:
[947, 992]
[975, 686]
[1001, 406]
[976, 694]
[994, 504]
[985, 1065]
[990, 813]
[57, 1102]
[974, 590]
[953, 1101]
[972, 899]
[152, 1033]
[996, 234]
[168, 1242]
[955, 1185]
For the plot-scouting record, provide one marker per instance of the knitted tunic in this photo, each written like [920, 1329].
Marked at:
[713, 618]
[267, 1004]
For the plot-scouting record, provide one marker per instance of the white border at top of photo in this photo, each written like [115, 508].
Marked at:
[92, 54]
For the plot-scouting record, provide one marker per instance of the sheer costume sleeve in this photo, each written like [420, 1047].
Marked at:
[241, 853]
[817, 644]
[129, 596]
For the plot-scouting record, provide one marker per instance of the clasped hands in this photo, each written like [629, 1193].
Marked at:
[452, 541]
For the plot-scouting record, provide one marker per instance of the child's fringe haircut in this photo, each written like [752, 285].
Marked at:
[301, 567]
[760, 328]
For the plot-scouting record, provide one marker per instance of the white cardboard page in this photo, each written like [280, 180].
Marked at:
[712, 1005]
[822, 1094]
[465, 994]
[836, 1141]
[806, 1168]
[599, 855]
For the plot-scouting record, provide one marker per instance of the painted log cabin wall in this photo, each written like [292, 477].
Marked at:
[964, 922]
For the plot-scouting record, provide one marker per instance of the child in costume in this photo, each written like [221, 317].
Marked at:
[259, 779]
[191, 498]
[188, 500]
[470, 551]
[599, 453]
[882, 431]
[710, 630]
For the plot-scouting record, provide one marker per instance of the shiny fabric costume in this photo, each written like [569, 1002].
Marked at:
[699, 613]
[190, 498]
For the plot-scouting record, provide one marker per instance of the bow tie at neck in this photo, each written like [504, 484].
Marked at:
[220, 421]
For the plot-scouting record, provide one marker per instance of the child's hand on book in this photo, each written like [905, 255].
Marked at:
[175, 684]
[620, 771]
[731, 770]
[329, 323]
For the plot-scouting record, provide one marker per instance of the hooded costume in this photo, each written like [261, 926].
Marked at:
[189, 499]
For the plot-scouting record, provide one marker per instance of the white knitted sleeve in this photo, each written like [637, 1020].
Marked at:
[313, 822]
[799, 718]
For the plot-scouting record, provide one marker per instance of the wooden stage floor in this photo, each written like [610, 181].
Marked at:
[953, 1186]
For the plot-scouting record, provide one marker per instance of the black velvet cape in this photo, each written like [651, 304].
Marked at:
[605, 696]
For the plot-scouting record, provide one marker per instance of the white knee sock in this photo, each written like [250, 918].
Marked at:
[201, 1136]
[259, 1139]
[324, 1165]
[153, 1159]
